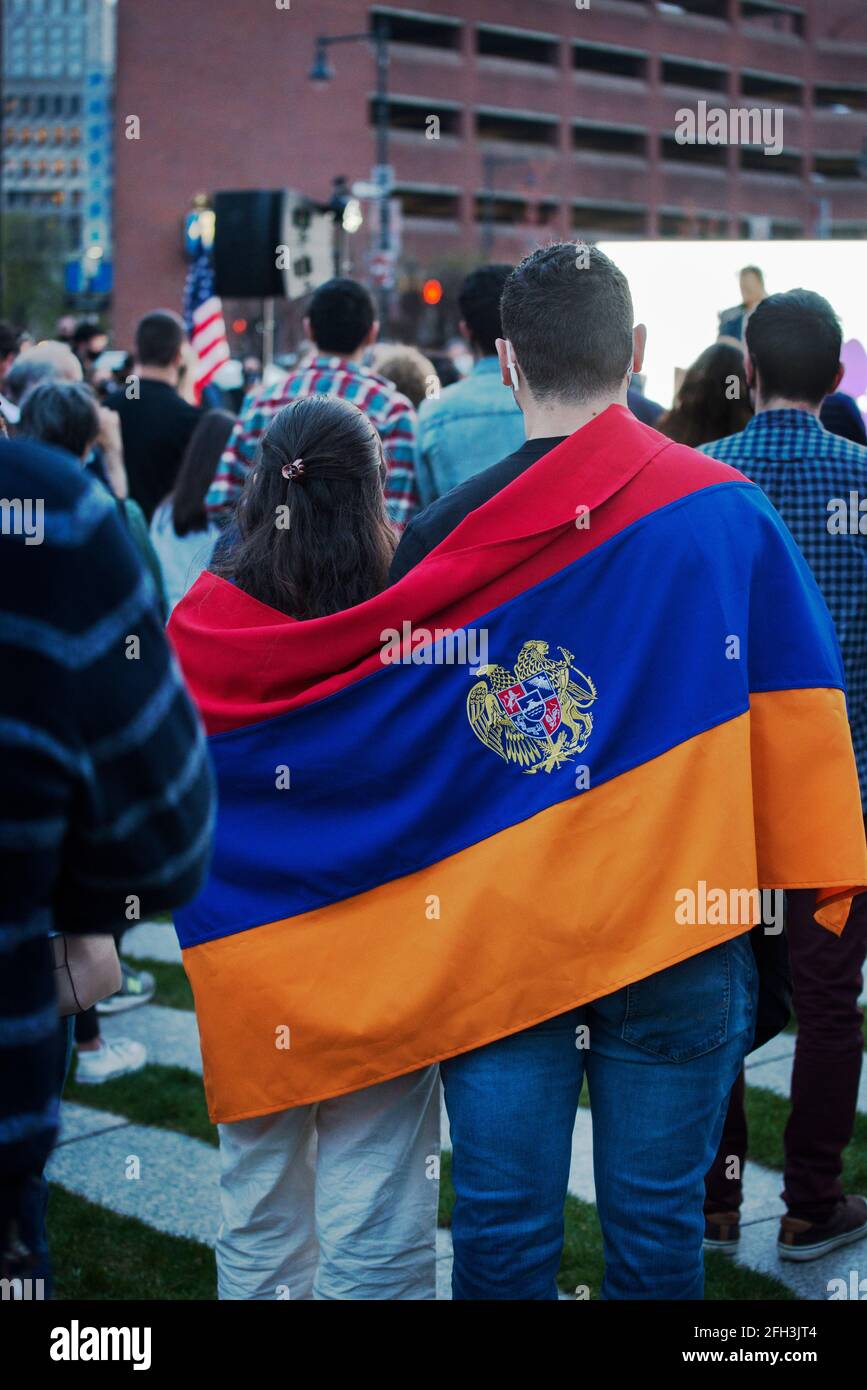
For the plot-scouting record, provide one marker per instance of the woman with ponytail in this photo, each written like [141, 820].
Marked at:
[334, 1199]
[312, 534]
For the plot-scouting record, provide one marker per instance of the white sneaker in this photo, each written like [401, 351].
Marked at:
[114, 1057]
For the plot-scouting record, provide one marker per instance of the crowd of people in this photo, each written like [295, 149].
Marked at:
[330, 486]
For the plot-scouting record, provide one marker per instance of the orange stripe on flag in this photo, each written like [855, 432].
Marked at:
[373, 986]
[804, 789]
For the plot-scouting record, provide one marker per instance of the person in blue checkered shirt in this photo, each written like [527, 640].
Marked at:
[818, 483]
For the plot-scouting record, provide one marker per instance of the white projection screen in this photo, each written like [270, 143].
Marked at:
[679, 287]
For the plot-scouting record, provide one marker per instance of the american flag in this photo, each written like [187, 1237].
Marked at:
[203, 316]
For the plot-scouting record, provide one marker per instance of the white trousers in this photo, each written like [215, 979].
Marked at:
[336, 1200]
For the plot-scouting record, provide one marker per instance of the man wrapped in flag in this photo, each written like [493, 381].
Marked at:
[515, 814]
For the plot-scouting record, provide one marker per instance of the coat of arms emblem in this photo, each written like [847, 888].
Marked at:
[536, 716]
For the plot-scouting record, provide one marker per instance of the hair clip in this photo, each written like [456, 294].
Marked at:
[294, 470]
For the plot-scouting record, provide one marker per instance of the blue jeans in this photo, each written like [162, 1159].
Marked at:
[660, 1057]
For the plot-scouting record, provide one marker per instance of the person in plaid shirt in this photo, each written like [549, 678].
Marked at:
[342, 323]
[793, 360]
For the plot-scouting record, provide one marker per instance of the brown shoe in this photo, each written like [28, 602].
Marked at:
[722, 1230]
[807, 1240]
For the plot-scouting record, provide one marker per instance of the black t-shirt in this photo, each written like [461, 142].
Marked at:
[437, 521]
[156, 430]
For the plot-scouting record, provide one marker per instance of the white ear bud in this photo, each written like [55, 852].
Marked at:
[513, 368]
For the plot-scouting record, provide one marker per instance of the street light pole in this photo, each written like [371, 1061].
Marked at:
[321, 73]
[382, 131]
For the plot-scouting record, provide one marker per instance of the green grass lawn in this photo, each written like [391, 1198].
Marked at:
[102, 1256]
[99, 1255]
[164, 1097]
[766, 1120]
[172, 986]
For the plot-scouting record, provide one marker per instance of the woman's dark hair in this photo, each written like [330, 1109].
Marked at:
[197, 470]
[319, 542]
[62, 413]
[713, 400]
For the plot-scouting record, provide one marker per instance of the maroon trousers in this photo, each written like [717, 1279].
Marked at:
[826, 983]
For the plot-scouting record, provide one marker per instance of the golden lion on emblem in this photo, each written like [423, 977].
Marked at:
[537, 715]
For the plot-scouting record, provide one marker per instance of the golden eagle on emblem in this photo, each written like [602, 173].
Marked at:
[537, 715]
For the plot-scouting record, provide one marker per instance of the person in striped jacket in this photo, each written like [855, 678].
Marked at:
[106, 801]
[342, 324]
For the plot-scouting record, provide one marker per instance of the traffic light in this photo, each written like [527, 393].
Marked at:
[346, 208]
[432, 292]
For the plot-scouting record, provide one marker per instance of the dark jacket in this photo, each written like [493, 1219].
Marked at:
[156, 430]
[105, 788]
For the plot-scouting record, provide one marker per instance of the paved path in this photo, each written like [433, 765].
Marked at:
[176, 1187]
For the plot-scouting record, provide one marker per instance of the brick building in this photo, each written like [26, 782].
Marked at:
[553, 120]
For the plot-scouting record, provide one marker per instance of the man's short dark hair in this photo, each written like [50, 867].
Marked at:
[85, 332]
[752, 270]
[341, 315]
[479, 302]
[794, 340]
[158, 338]
[567, 311]
[62, 413]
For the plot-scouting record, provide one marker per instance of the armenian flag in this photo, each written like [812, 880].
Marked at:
[482, 798]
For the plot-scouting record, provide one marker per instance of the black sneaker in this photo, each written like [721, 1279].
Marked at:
[722, 1231]
[807, 1240]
